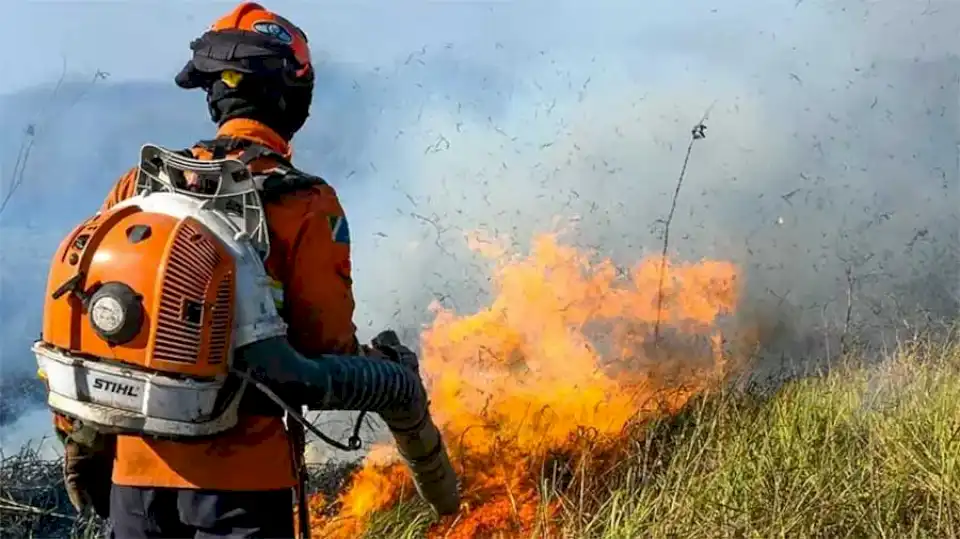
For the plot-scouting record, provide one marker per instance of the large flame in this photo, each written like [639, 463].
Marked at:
[563, 350]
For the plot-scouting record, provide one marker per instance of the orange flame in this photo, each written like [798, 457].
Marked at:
[563, 349]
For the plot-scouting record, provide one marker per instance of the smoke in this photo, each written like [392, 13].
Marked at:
[829, 168]
[828, 171]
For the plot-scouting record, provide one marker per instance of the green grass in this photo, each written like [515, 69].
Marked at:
[854, 452]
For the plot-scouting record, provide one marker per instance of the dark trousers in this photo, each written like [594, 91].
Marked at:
[154, 513]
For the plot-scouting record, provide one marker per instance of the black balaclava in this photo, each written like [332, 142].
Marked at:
[282, 108]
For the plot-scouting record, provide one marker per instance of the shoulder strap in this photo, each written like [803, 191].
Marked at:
[280, 180]
[252, 151]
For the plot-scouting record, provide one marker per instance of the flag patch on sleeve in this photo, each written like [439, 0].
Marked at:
[339, 231]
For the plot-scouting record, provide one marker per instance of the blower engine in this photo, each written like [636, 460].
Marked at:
[160, 316]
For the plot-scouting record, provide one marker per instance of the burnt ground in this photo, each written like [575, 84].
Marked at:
[34, 504]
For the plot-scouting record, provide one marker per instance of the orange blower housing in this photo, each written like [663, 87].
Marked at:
[142, 312]
[176, 283]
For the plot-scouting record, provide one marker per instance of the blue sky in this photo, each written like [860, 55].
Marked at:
[433, 118]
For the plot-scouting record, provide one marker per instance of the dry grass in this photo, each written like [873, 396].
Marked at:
[855, 451]
[33, 502]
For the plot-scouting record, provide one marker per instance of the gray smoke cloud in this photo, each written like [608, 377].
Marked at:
[831, 148]
[830, 164]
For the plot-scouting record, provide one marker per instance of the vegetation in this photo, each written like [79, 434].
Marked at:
[856, 451]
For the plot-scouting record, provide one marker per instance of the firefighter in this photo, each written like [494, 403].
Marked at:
[255, 69]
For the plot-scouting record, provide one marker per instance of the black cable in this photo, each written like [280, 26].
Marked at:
[354, 443]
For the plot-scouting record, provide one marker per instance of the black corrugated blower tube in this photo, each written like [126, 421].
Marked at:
[353, 383]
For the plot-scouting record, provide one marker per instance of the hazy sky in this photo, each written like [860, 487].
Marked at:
[139, 39]
[135, 39]
[788, 78]
[432, 118]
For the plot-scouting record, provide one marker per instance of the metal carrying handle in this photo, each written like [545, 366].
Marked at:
[237, 191]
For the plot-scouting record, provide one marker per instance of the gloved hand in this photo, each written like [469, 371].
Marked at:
[388, 344]
[368, 351]
[87, 470]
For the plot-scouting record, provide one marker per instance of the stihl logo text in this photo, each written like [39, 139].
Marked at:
[114, 387]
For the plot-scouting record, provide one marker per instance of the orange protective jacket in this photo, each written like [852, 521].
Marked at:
[310, 258]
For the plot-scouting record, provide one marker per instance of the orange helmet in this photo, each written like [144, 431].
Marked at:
[252, 17]
[250, 40]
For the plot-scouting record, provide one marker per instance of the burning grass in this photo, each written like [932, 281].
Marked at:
[854, 452]
[550, 380]
[564, 420]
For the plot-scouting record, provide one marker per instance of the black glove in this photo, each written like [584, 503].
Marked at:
[388, 344]
[87, 472]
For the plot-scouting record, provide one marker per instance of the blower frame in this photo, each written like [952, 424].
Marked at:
[120, 397]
